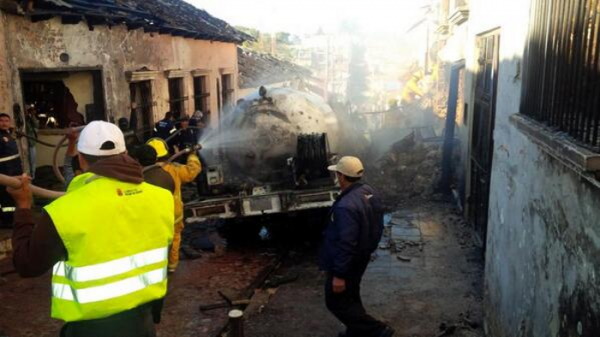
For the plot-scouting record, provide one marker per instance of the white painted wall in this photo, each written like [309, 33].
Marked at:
[544, 235]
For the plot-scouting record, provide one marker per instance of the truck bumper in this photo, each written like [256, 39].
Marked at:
[259, 205]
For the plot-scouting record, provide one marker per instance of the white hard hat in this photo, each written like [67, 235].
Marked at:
[349, 166]
[101, 139]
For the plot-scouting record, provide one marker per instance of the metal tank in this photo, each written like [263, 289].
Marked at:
[270, 123]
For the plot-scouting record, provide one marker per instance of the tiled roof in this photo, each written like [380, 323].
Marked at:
[258, 69]
[174, 17]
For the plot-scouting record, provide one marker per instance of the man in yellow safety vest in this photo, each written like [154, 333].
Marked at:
[108, 239]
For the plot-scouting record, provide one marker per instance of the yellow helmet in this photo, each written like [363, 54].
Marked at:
[160, 146]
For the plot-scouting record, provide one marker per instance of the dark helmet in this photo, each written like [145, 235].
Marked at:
[123, 124]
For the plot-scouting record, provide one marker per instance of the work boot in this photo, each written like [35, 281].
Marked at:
[190, 253]
[387, 332]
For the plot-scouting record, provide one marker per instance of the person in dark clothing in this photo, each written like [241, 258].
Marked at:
[197, 121]
[10, 165]
[187, 136]
[165, 127]
[71, 167]
[153, 174]
[352, 235]
[31, 126]
[131, 138]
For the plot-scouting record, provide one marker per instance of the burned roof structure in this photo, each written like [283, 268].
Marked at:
[258, 69]
[174, 17]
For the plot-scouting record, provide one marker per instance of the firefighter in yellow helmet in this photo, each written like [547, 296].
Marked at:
[412, 90]
[181, 174]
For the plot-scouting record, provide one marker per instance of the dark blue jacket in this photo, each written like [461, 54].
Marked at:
[187, 138]
[8, 148]
[164, 128]
[354, 230]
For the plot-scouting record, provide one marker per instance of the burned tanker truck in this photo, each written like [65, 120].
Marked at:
[270, 157]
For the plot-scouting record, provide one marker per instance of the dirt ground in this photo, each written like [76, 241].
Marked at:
[436, 288]
[25, 303]
[424, 281]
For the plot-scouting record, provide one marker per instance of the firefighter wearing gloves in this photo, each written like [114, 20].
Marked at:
[107, 239]
[181, 174]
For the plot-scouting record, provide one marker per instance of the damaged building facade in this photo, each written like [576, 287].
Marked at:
[527, 76]
[78, 61]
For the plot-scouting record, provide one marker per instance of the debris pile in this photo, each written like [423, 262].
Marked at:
[411, 168]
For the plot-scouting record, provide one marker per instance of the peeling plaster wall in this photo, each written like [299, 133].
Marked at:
[37, 46]
[116, 50]
[6, 99]
[543, 248]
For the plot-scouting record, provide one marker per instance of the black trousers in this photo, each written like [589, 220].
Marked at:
[348, 306]
[138, 322]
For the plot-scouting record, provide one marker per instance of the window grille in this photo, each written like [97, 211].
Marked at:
[561, 69]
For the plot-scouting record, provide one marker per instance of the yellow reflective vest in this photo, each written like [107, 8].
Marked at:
[117, 237]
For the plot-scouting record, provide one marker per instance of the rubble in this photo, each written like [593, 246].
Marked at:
[410, 168]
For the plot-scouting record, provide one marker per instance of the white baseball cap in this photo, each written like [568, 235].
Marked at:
[101, 139]
[349, 166]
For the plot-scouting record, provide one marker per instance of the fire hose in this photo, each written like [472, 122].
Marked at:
[41, 192]
[49, 194]
[57, 147]
[38, 191]
[188, 150]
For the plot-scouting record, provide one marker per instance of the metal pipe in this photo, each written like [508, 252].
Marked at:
[236, 323]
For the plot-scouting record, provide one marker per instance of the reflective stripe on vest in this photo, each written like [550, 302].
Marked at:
[111, 290]
[9, 158]
[110, 268]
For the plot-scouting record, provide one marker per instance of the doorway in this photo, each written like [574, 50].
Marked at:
[176, 97]
[482, 141]
[142, 106]
[61, 99]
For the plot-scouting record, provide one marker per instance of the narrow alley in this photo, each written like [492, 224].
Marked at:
[427, 262]
[427, 282]
[285, 168]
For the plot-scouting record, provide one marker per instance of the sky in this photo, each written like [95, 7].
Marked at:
[307, 16]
